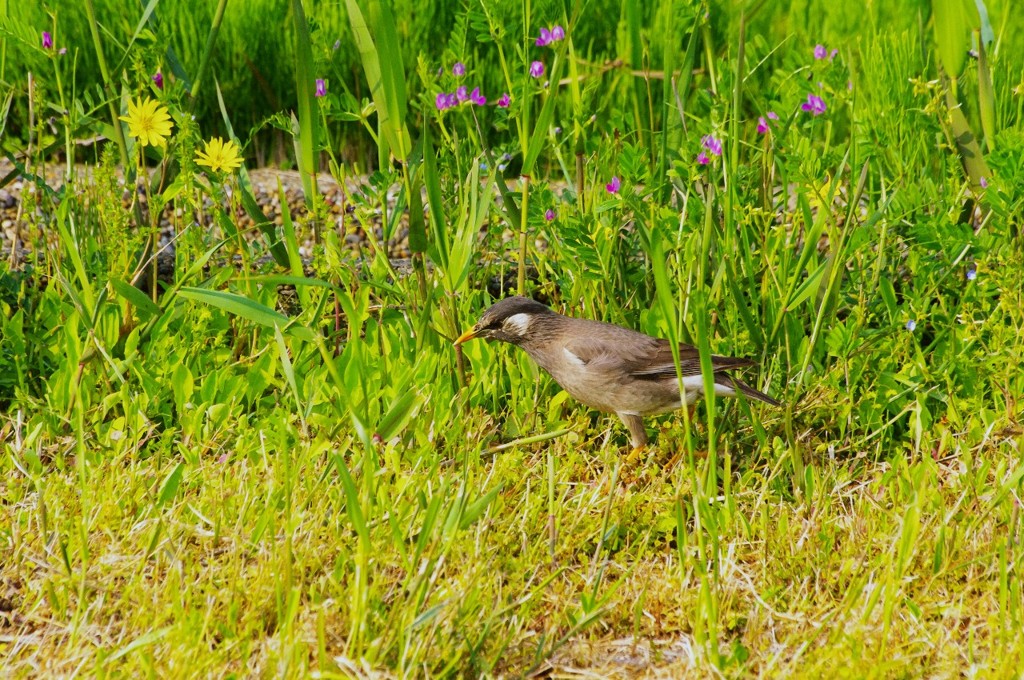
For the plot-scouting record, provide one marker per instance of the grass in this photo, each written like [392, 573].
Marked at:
[210, 482]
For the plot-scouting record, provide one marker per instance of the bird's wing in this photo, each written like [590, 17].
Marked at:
[641, 356]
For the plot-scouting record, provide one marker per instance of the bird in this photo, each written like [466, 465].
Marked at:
[608, 367]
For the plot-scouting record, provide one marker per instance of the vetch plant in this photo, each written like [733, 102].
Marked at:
[762, 122]
[814, 105]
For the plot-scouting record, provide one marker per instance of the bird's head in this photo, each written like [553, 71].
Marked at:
[509, 321]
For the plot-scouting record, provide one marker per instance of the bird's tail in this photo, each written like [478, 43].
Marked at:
[746, 389]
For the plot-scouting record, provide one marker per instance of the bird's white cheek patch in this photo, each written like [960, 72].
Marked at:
[572, 358]
[518, 323]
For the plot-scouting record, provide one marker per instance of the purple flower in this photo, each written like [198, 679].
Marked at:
[451, 101]
[557, 33]
[972, 273]
[614, 186]
[62, 51]
[321, 87]
[550, 215]
[983, 183]
[814, 104]
[702, 158]
[461, 93]
[762, 125]
[545, 38]
[505, 100]
[459, 69]
[441, 101]
[337, 45]
[477, 98]
[772, 115]
[911, 325]
[820, 52]
[833, 53]
[712, 144]
[158, 80]
[536, 69]
[47, 40]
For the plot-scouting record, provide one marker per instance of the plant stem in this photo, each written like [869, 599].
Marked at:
[522, 236]
[211, 38]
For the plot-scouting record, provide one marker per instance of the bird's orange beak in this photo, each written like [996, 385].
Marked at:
[468, 335]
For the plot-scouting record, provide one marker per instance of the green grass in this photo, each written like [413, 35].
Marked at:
[202, 484]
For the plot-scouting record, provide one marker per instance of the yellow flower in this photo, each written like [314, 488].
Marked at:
[219, 155]
[148, 121]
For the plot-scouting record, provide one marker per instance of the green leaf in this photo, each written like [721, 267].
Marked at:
[476, 508]
[398, 414]
[986, 96]
[169, 488]
[352, 506]
[382, 64]
[305, 88]
[953, 23]
[543, 124]
[438, 221]
[417, 225]
[966, 143]
[135, 297]
[239, 305]
[807, 287]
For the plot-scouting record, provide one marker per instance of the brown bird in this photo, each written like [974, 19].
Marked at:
[608, 367]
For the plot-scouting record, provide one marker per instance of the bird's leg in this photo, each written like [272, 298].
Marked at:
[637, 436]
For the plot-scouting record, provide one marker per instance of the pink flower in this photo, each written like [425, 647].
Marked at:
[158, 80]
[321, 87]
[557, 33]
[820, 52]
[772, 115]
[832, 54]
[702, 158]
[814, 104]
[762, 125]
[536, 69]
[983, 182]
[550, 215]
[505, 100]
[545, 38]
[47, 40]
[459, 69]
[477, 98]
[62, 51]
[613, 186]
[441, 101]
[461, 93]
[712, 144]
